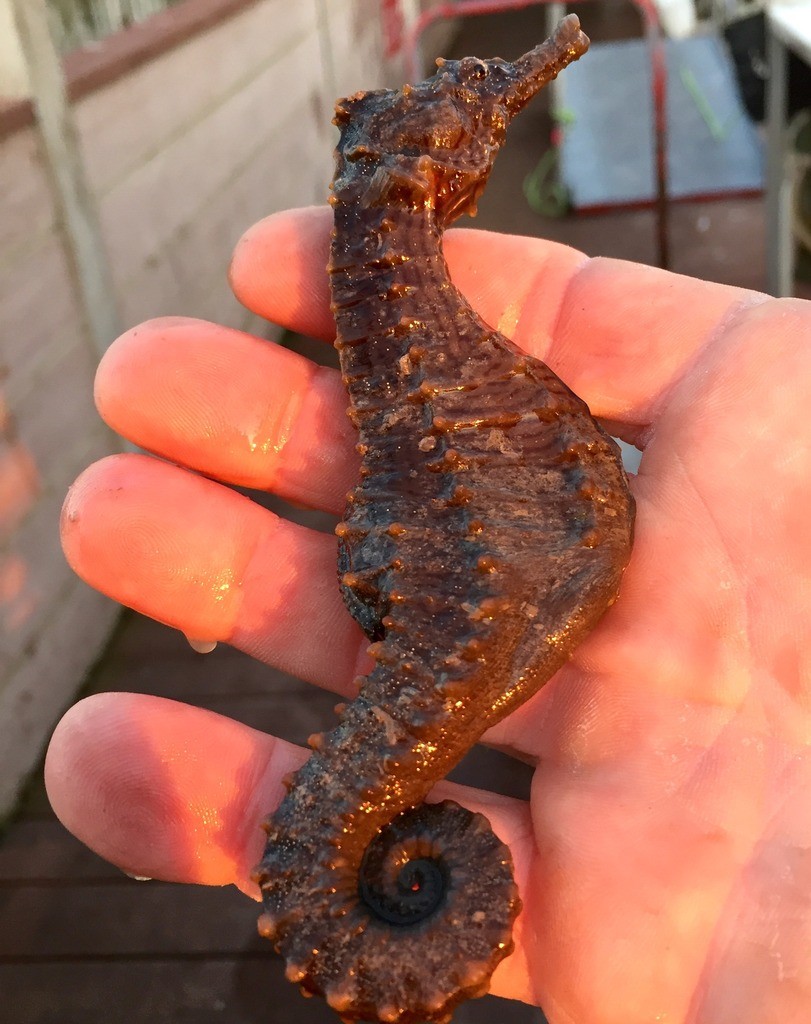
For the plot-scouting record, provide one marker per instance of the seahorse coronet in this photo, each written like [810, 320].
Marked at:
[486, 536]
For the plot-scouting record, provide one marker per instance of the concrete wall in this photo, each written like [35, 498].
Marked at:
[182, 154]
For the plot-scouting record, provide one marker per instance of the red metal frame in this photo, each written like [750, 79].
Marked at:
[653, 33]
[393, 26]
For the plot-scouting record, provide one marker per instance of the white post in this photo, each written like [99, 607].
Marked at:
[63, 157]
[14, 82]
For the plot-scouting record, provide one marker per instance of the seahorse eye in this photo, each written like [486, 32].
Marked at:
[475, 70]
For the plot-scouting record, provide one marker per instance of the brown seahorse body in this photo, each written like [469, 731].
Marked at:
[486, 536]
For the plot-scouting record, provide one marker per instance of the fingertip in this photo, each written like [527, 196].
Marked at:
[72, 513]
[162, 789]
[99, 793]
[278, 270]
[65, 752]
[125, 357]
[295, 229]
[187, 541]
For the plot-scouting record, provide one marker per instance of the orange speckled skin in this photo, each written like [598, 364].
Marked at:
[486, 536]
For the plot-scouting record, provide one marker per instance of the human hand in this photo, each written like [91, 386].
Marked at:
[665, 857]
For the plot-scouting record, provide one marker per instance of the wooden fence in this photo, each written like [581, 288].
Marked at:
[76, 23]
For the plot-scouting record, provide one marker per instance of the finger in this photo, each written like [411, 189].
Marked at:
[232, 406]
[279, 270]
[620, 334]
[213, 564]
[165, 790]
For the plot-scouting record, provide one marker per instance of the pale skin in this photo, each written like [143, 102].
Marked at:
[665, 856]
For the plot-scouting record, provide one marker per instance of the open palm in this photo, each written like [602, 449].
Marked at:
[665, 857]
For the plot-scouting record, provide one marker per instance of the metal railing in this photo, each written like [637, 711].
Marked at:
[76, 23]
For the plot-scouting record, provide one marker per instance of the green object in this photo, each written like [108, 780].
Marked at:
[544, 192]
[714, 126]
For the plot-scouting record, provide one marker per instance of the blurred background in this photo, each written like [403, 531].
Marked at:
[138, 140]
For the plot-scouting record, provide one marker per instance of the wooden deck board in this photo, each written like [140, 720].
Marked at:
[43, 850]
[169, 991]
[175, 671]
[121, 918]
[211, 991]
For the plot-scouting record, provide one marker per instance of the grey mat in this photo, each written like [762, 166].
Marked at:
[607, 155]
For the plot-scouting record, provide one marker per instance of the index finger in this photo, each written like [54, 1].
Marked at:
[620, 334]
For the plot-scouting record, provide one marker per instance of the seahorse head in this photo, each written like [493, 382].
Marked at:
[434, 144]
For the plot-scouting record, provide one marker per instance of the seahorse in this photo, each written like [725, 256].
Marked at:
[487, 534]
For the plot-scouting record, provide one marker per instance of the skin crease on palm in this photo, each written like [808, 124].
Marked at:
[665, 857]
